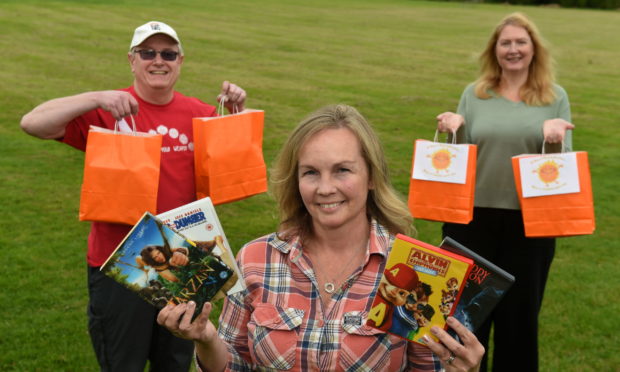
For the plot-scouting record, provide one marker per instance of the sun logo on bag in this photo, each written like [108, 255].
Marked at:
[548, 172]
[441, 159]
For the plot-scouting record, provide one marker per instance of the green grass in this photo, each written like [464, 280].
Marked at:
[400, 62]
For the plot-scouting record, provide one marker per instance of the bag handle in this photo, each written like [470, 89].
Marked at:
[561, 148]
[437, 136]
[133, 125]
[220, 107]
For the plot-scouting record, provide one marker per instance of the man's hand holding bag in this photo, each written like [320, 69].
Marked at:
[228, 156]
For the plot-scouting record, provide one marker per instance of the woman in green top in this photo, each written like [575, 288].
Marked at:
[513, 108]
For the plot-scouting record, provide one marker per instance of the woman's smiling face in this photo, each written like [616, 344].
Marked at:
[514, 49]
[333, 179]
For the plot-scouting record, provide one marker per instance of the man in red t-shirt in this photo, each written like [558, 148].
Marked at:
[122, 326]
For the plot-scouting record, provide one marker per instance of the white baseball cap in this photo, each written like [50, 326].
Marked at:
[151, 28]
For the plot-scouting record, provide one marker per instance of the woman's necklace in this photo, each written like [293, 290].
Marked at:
[330, 285]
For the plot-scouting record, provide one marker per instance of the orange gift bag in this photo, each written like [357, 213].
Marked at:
[121, 175]
[443, 181]
[228, 156]
[555, 193]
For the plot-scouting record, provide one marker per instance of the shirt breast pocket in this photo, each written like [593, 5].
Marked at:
[365, 348]
[273, 334]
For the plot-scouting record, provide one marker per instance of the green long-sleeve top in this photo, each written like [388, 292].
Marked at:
[501, 129]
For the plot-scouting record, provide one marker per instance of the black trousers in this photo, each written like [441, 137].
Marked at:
[124, 331]
[498, 235]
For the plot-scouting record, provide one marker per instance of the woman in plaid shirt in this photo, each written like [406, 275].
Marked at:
[311, 284]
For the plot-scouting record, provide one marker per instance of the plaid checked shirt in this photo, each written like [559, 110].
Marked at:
[280, 323]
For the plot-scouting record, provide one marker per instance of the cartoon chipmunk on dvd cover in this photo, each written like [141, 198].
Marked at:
[163, 266]
[419, 288]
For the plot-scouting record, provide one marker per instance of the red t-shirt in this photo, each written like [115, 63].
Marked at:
[176, 180]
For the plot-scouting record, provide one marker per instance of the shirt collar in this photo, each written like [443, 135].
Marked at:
[380, 240]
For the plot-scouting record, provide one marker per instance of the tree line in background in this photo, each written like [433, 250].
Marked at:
[594, 4]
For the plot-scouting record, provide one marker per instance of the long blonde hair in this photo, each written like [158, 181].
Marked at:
[538, 90]
[383, 202]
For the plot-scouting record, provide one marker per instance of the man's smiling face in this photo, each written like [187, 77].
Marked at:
[156, 74]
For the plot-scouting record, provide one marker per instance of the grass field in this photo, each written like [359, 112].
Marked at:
[400, 62]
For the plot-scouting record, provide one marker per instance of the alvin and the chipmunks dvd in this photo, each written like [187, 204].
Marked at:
[421, 284]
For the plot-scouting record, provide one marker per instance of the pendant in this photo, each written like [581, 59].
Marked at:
[329, 287]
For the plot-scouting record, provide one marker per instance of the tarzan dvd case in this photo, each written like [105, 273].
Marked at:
[163, 266]
[198, 221]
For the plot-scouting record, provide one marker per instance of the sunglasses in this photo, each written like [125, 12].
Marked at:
[150, 54]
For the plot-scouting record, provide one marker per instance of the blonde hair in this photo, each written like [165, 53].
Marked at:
[383, 202]
[538, 90]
